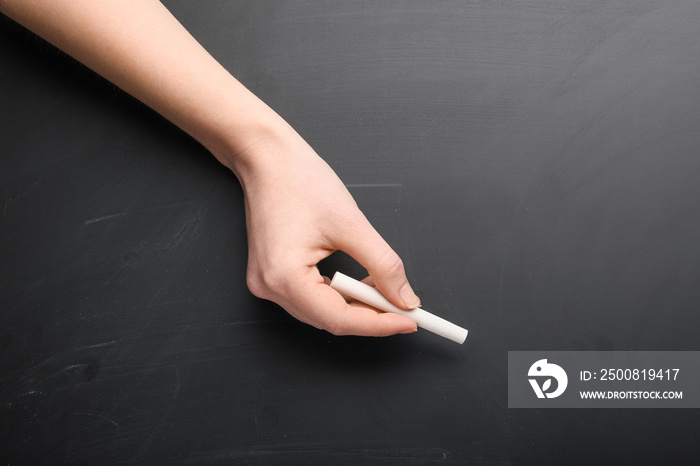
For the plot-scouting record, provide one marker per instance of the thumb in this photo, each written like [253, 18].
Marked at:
[385, 267]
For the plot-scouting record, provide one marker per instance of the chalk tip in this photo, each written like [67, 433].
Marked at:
[466, 332]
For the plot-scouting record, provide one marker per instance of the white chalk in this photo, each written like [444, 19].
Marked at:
[368, 295]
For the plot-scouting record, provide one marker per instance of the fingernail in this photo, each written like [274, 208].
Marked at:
[410, 330]
[408, 297]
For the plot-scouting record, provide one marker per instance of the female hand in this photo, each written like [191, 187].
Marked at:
[299, 212]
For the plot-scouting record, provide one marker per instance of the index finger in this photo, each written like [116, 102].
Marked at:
[317, 304]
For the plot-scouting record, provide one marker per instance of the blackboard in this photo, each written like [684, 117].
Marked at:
[535, 163]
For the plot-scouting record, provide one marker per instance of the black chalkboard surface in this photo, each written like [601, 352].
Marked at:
[535, 163]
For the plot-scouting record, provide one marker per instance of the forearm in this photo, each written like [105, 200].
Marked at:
[139, 46]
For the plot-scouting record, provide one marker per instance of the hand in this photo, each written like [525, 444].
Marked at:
[299, 212]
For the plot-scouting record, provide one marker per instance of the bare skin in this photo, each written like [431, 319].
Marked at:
[297, 209]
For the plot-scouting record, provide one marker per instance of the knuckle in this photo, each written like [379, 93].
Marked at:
[336, 328]
[267, 283]
[335, 324]
[390, 264]
[255, 285]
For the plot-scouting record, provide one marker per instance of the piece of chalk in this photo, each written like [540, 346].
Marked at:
[368, 295]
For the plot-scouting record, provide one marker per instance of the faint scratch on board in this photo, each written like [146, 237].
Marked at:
[252, 322]
[98, 345]
[104, 217]
[74, 366]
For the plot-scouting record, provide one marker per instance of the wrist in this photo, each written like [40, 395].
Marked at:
[264, 151]
[246, 145]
